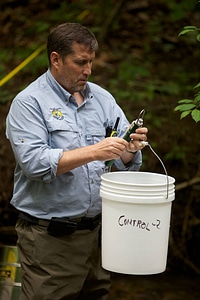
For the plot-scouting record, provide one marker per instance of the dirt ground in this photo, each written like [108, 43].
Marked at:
[166, 286]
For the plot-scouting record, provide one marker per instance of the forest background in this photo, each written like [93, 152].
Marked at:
[144, 63]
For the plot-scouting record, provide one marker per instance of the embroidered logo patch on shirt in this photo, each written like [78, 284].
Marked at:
[57, 114]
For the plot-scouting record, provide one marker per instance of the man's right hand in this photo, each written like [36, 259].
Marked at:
[109, 148]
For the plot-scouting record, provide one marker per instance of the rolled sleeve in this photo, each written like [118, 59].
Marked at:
[29, 139]
[55, 155]
[133, 165]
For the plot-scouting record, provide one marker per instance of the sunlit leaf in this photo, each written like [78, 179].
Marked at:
[184, 31]
[184, 114]
[196, 86]
[185, 101]
[198, 37]
[190, 27]
[185, 107]
[197, 97]
[196, 115]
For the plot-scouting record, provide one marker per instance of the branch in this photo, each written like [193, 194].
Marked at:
[107, 24]
[187, 183]
[182, 256]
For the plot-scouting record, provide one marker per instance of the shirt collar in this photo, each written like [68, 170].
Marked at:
[61, 92]
[58, 89]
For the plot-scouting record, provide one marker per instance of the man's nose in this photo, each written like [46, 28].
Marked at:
[87, 69]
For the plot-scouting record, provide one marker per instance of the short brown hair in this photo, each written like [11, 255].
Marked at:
[62, 37]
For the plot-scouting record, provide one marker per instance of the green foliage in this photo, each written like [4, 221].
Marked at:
[188, 106]
[6, 96]
[177, 11]
[177, 153]
[191, 29]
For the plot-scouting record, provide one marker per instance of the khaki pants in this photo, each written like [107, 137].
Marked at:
[55, 268]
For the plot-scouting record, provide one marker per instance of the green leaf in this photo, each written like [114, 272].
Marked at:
[190, 27]
[177, 108]
[196, 86]
[197, 98]
[198, 37]
[185, 107]
[184, 31]
[196, 115]
[185, 101]
[184, 114]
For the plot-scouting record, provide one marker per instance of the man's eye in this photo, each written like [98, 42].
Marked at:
[83, 62]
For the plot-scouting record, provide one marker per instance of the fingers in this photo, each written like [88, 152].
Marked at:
[118, 144]
[138, 139]
[137, 145]
[110, 148]
[143, 130]
[140, 134]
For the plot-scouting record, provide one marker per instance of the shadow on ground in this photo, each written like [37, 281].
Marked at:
[165, 286]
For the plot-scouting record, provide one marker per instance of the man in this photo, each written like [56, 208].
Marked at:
[57, 127]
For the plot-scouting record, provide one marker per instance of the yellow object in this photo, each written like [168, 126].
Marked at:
[22, 65]
[33, 55]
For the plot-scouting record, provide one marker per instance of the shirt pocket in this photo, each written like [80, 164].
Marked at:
[94, 135]
[62, 134]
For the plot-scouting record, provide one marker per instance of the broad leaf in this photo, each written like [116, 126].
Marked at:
[197, 98]
[196, 86]
[185, 107]
[184, 114]
[198, 37]
[190, 27]
[187, 29]
[196, 115]
[185, 101]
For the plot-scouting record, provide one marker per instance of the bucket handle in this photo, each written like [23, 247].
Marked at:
[165, 170]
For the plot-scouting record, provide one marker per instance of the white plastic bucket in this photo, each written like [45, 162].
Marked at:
[136, 212]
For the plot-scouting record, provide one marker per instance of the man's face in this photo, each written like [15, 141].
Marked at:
[72, 73]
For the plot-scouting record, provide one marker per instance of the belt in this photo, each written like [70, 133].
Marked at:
[60, 226]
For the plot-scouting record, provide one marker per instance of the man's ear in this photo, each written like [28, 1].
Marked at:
[55, 58]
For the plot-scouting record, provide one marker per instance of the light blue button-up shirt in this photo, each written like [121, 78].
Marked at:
[44, 120]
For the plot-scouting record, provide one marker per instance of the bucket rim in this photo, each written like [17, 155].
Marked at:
[170, 178]
[105, 184]
[109, 196]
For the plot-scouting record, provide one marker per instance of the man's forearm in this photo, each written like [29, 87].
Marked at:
[75, 158]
